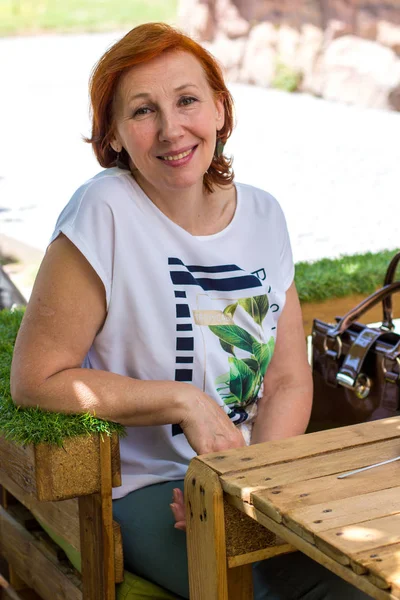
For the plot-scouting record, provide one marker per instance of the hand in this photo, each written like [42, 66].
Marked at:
[206, 425]
[178, 509]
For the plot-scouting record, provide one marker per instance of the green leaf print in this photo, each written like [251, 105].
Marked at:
[224, 378]
[252, 363]
[227, 347]
[263, 353]
[230, 309]
[257, 307]
[235, 336]
[242, 379]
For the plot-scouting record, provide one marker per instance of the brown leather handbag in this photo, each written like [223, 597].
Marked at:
[356, 368]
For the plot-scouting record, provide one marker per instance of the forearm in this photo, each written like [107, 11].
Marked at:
[109, 396]
[283, 414]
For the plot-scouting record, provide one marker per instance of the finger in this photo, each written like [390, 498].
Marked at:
[177, 495]
[181, 525]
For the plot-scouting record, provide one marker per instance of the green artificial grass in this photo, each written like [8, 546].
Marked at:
[32, 425]
[344, 276]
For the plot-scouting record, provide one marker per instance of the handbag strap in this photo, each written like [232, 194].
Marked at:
[363, 307]
[352, 364]
[387, 302]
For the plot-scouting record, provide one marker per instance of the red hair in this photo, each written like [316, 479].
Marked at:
[140, 45]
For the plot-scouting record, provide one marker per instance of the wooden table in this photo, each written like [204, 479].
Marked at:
[351, 525]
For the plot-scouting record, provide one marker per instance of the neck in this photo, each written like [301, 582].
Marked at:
[193, 208]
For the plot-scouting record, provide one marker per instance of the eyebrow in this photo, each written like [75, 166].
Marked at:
[147, 95]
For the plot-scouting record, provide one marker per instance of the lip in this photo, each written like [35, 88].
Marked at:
[178, 151]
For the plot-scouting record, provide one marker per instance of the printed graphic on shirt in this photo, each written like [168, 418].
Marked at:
[234, 325]
[249, 355]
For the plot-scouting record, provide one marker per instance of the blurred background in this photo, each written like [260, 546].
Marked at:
[316, 85]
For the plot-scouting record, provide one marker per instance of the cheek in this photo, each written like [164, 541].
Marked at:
[141, 137]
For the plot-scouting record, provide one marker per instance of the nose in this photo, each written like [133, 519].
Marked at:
[170, 126]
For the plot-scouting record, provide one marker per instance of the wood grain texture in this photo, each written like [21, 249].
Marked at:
[47, 577]
[345, 572]
[244, 483]
[62, 517]
[115, 461]
[205, 531]
[18, 462]
[240, 583]
[97, 536]
[303, 446]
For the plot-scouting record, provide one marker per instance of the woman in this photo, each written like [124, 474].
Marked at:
[158, 301]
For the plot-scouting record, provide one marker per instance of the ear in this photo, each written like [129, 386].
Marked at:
[219, 114]
[116, 145]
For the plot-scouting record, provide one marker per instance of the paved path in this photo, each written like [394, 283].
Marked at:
[335, 169]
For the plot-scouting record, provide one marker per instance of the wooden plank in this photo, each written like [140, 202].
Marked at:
[118, 553]
[115, 461]
[106, 476]
[252, 557]
[63, 519]
[346, 573]
[312, 444]
[97, 541]
[339, 513]
[205, 532]
[41, 573]
[383, 564]
[244, 483]
[18, 462]
[240, 583]
[9, 590]
[365, 536]
[279, 501]
[70, 471]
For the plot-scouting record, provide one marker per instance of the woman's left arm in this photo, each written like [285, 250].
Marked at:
[285, 407]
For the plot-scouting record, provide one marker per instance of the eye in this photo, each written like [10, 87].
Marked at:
[187, 100]
[140, 112]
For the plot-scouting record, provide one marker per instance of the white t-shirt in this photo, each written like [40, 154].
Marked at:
[198, 309]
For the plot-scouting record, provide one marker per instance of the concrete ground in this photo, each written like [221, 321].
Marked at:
[334, 168]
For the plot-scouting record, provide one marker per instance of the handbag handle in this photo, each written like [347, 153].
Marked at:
[387, 302]
[363, 307]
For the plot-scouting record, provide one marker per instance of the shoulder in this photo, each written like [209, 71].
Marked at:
[260, 200]
[107, 186]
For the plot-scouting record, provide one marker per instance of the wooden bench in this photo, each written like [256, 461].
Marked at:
[68, 491]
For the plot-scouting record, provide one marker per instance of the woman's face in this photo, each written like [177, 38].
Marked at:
[166, 118]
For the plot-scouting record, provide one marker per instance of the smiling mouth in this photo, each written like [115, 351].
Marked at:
[172, 157]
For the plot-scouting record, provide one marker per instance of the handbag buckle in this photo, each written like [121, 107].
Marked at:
[338, 345]
[361, 386]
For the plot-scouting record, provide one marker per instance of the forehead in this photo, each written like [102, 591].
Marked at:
[167, 71]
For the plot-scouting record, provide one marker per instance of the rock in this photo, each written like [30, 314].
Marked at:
[366, 24]
[196, 18]
[229, 53]
[229, 20]
[287, 45]
[388, 34]
[357, 71]
[310, 47]
[259, 59]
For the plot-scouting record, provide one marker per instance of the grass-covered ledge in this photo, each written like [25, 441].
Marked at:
[345, 276]
[32, 425]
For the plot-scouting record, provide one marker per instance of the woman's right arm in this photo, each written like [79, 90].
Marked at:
[66, 310]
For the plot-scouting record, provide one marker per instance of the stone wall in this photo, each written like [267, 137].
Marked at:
[346, 50]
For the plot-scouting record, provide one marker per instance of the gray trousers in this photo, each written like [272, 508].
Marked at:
[156, 551]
